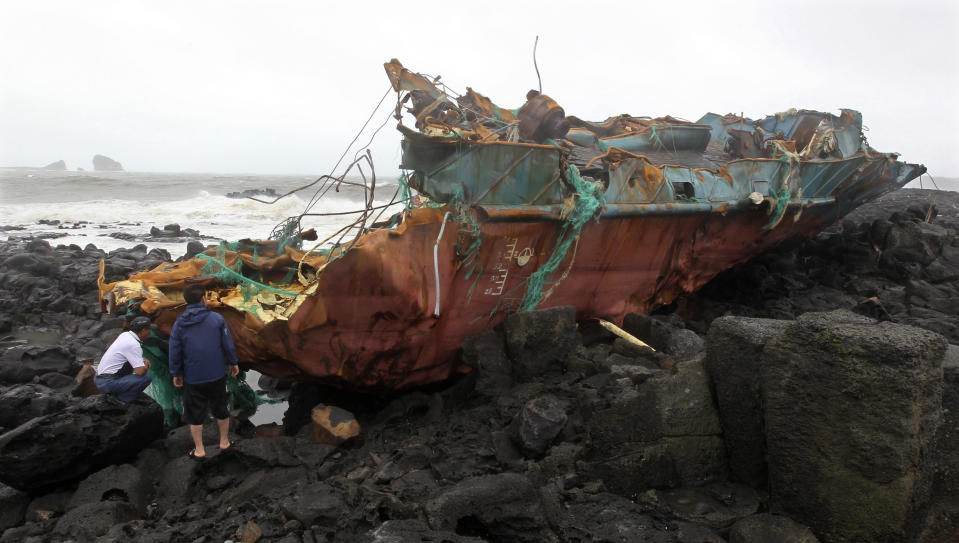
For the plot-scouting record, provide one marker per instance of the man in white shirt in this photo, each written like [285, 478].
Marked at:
[125, 349]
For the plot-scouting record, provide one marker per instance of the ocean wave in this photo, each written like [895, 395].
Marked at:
[77, 208]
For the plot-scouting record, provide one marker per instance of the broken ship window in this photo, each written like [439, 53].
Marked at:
[683, 190]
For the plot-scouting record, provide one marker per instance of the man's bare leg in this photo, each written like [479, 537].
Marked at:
[224, 426]
[196, 432]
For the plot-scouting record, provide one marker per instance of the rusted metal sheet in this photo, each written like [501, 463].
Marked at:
[637, 181]
[370, 323]
[485, 172]
[663, 138]
[390, 310]
[478, 107]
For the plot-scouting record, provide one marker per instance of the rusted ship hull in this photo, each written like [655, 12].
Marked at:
[520, 217]
[374, 325]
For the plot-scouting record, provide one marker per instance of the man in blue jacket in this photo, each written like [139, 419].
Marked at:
[201, 348]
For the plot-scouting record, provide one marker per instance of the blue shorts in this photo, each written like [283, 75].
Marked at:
[126, 388]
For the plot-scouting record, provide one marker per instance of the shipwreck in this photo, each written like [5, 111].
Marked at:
[516, 210]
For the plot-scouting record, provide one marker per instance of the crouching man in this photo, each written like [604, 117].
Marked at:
[111, 376]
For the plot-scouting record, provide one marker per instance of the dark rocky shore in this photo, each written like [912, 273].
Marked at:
[811, 394]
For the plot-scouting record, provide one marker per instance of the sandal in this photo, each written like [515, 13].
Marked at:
[196, 458]
[228, 447]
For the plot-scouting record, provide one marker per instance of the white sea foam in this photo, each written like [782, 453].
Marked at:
[90, 208]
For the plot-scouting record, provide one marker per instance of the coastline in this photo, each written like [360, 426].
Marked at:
[529, 446]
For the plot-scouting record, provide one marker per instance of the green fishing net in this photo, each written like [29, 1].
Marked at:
[217, 268]
[654, 136]
[240, 396]
[788, 180]
[161, 389]
[406, 194]
[588, 199]
[469, 235]
[251, 281]
[156, 349]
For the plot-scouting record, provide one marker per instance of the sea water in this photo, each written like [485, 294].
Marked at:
[86, 207]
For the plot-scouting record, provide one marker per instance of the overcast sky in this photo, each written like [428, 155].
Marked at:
[282, 87]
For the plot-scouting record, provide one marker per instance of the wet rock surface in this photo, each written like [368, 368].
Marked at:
[946, 443]
[89, 434]
[13, 507]
[884, 260]
[561, 432]
[733, 361]
[871, 405]
[766, 527]
[19, 404]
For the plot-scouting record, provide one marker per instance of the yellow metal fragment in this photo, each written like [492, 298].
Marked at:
[623, 333]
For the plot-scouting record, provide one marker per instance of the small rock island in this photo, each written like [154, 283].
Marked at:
[106, 164]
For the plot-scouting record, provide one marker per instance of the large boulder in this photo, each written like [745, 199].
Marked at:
[106, 164]
[266, 452]
[539, 342]
[716, 505]
[851, 408]
[169, 231]
[663, 336]
[538, 423]
[733, 360]
[22, 364]
[601, 517]
[20, 403]
[334, 425]
[86, 436]
[92, 520]
[947, 439]
[485, 353]
[48, 506]
[504, 505]
[668, 404]
[114, 483]
[13, 506]
[668, 462]
[661, 432]
[316, 503]
[58, 166]
[174, 488]
[765, 528]
[940, 523]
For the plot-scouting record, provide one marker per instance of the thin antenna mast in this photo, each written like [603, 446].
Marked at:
[536, 66]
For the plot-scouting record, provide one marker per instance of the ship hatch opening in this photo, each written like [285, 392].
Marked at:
[684, 190]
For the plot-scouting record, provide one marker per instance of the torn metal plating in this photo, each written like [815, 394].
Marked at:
[524, 207]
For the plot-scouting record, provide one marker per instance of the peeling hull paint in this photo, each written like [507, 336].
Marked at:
[365, 318]
[621, 266]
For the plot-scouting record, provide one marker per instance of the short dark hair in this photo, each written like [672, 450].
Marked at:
[193, 294]
[139, 323]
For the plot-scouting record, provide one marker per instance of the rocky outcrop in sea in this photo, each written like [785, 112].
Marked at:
[269, 192]
[106, 164]
[784, 402]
